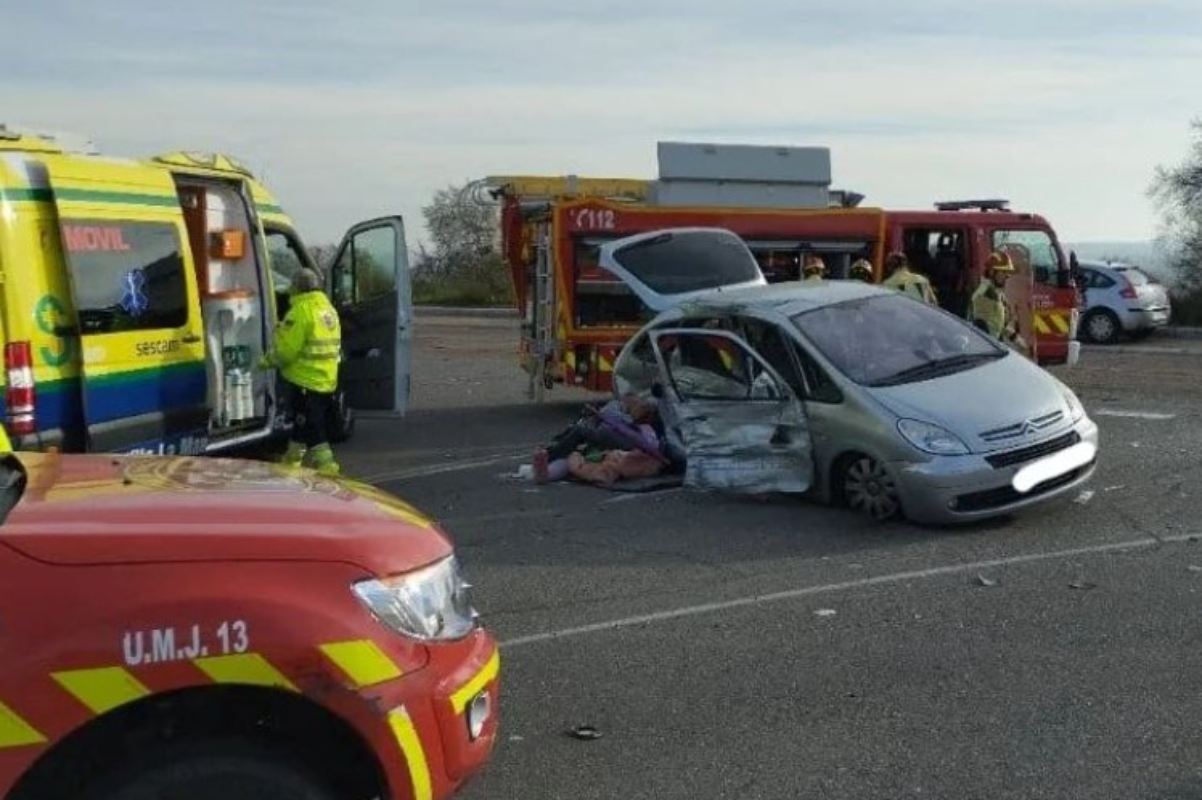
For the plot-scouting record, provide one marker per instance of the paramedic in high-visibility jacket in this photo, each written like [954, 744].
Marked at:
[307, 349]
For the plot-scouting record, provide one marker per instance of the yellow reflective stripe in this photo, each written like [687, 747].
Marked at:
[335, 341]
[308, 356]
[102, 689]
[362, 661]
[469, 690]
[16, 732]
[607, 364]
[1060, 322]
[415, 757]
[1040, 324]
[247, 668]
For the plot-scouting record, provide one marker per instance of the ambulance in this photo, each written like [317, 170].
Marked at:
[137, 298]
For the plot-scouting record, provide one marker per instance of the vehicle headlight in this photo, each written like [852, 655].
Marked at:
[1075, 410]
[432, 603]
[931, 438]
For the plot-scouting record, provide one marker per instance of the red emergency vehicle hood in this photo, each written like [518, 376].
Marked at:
[80, 509]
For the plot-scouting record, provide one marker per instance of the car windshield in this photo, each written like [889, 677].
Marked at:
[890, 339]
[689, 261]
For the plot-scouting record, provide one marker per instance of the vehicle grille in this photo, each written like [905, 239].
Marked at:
[1012, 457]
[1020, 429]
[1005, 495]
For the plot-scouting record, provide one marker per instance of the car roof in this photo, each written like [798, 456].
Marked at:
[786, 298]
[1105, 265]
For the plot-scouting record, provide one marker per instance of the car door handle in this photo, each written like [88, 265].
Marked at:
[190, 338]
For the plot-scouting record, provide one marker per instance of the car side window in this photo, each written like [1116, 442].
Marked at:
[1102, 281]
[713, 366]
[766, 339]
[822, 388]
[638, 371]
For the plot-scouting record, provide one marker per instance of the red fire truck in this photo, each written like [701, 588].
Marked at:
[577, 317]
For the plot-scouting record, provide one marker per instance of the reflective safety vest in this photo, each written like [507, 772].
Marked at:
[308, 343]
[917, 286]
[989, 310]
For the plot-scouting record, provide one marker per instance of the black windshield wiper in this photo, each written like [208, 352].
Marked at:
[940, 366]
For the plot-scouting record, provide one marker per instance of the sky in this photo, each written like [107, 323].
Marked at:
[357, 109]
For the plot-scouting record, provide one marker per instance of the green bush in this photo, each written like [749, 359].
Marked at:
[486, 285]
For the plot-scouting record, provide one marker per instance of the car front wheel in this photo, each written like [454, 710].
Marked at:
[866, 486]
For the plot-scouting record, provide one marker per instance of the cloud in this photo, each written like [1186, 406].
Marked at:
[350, 112]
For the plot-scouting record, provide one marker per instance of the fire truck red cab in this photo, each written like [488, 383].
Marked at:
[211, 629]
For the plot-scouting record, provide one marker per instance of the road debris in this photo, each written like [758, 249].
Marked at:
[1082, 585]
[1194, 568]
[1115, 488]
[1084, 497]
[825, 612]
[585, 733]
[983, 581]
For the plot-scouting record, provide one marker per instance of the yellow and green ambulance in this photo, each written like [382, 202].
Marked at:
[137, 296]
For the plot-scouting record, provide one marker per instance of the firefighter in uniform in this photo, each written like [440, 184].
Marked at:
[306, 350]
[899, 277]
[861, 270]
[813, 270]
[990, 311]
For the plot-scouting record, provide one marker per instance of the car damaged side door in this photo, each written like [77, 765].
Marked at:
[741, 426]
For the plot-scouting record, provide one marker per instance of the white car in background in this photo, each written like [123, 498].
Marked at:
[1120, 299]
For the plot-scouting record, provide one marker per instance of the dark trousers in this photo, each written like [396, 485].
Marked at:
[584, 432]
[310, 415]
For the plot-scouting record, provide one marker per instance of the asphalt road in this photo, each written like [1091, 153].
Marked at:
[736, 648]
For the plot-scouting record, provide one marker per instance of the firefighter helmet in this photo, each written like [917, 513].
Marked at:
[895, 261]
[813, 266]
[999, 262]
[861, 270]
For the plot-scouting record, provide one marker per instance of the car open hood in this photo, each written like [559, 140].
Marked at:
[988, 407]
[107, 509]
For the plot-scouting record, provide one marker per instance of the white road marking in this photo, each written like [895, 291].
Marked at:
[440, 469]
[808, 591]
[1118, 412]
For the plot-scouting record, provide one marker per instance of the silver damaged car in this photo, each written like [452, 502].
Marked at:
[857, 395]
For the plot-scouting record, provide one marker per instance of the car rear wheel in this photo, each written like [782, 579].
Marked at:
[866, 486]
[1101, 326]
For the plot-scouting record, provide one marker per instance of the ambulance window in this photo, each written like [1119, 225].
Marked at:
[126, 276]
[286, 257]
[373, 255]
[1035, 248]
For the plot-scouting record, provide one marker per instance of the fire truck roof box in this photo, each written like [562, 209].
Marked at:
[742, 175]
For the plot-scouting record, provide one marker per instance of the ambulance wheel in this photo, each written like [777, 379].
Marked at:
[214, 772]
[341, 424]
[1101, 326]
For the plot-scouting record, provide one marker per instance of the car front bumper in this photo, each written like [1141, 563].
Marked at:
[953, 489]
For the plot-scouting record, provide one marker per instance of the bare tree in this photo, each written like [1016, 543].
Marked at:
[462, 231]
[1177, 191]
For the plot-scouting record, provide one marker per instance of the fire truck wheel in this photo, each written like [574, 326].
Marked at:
[216, 771]
[1101, 326]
